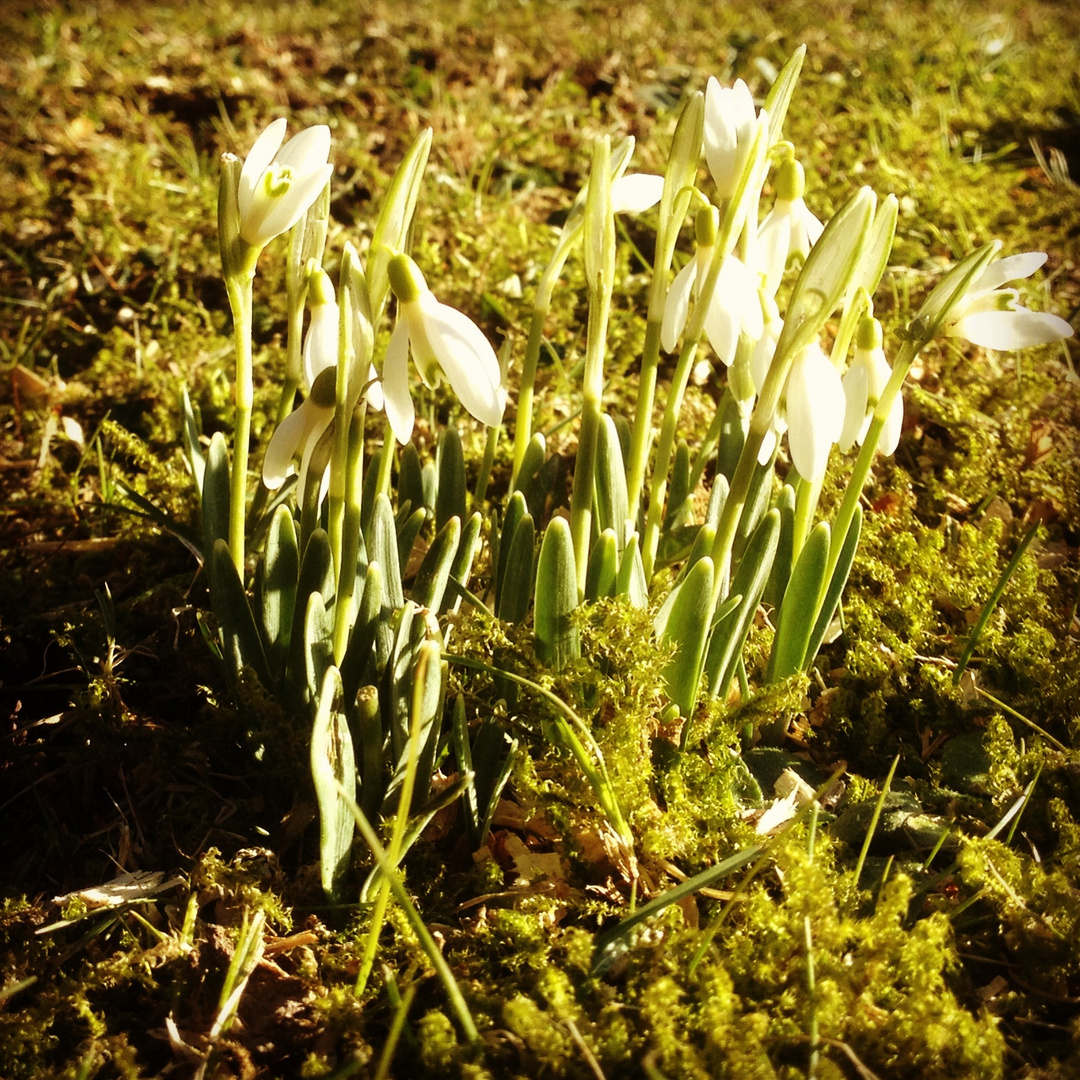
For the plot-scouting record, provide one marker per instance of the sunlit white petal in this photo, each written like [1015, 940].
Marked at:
[814, 410]
[397, 399]
[636, 193]
[1006, 330]
[467, 359]
[258, 161]
[677, 306]
[300, 429]
[277, 184]
[321, 341]
[1011, 268]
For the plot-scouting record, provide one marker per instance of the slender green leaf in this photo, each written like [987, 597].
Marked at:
[333, 770]
[798, 613]
[557, 639]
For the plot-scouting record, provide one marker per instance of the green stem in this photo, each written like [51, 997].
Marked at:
[527, 388]
[350, 540]
[239, 289]
[641, 436]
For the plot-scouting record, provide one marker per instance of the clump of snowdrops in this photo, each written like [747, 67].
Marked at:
[307, 572]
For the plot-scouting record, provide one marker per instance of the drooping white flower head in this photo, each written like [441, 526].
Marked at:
[790, 229]
[814, 408]
[990, 316]
[730, 123]
[733, 308]
[299, 433]
[863, 383]
[278, 183]
[441, 339]
[321, 341]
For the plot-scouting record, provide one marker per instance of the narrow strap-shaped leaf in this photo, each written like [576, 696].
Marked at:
[781, 568]
[215, 495]
[679, 490]
[318, 642]
[612, 504]
[358, 664]
[557, 639]
[461, 568]
[434, 572]
[798, 613]
[190, 429]
[603, 570]
[732, 436]
[241, 644]
[316, 575]
[450, 496]
[757, 504]
[730, 629]
[382, 548]
[419, 704]
[396, 690]
[410, 486]
[459, 734]
[333, 770]
[516, 509]
[408, 531]
[631, 581]
[717, 498]
[835, 589]
[615, 942]
[515, 595]
[277, 595]
[532, 462]
[688, 627]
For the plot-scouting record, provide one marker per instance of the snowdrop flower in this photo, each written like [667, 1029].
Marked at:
[734, 306]
[299, 433]
[863, 383]
[790, 228]
[442, 339]
[990, 316]
[320, 349]
[730, 124]
[814, 410]
[278, 183]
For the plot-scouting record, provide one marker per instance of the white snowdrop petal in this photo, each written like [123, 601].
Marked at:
[258, 161]
[286, 210]
[815, 412]
[677, 305]
[1007, 330]
[468, 361]
[1011, 268]
[856, 385]
[306, 149]
[397, 401]
[285, 443]
[321, 342]
[636, 193]
[890, 433]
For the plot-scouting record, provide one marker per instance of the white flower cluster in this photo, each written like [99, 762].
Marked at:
[819, 407]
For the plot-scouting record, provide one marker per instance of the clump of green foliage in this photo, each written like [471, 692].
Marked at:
[120, 751]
